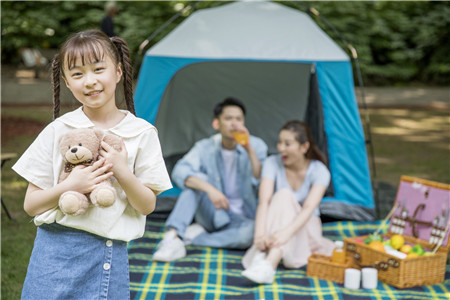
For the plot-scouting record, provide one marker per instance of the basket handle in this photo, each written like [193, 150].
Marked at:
[379, 265]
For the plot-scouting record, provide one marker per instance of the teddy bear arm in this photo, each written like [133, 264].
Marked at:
[114, 141]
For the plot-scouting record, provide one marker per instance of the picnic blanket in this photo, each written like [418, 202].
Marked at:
[210, 273]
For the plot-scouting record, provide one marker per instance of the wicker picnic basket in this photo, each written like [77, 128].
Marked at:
[416, 228]
[322, 267]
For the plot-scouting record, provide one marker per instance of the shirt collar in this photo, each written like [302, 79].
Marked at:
[130, 126]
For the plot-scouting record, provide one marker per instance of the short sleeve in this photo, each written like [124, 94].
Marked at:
[36, 165]
[150, 167]
[320, 174]
[269, 169]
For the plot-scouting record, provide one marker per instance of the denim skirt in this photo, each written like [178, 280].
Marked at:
[67, 263]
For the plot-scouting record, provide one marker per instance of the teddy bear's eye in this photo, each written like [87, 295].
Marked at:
[80, 144]
[68, 147]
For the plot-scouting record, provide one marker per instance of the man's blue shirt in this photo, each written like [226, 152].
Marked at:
[205, 159]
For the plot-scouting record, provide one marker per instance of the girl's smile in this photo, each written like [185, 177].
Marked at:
[93, 93]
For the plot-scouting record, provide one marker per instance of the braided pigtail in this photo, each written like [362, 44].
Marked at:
[56, 72]
[124, 56]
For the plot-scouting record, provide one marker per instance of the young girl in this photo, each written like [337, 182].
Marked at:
[287, 225]
[85, 256]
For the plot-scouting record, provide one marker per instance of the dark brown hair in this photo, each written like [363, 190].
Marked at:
[229, 101]
[91, 46]
[303, 135]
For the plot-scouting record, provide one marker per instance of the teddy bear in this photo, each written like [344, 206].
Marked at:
[81, 147]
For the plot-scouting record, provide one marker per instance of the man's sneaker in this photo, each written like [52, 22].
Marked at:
[260, 272]
[192, 232]
[170, 248]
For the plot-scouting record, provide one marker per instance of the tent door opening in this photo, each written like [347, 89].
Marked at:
[273, 93]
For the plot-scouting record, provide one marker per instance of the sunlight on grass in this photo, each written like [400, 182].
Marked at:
[411, 142]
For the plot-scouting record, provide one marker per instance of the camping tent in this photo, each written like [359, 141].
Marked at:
[283, 66]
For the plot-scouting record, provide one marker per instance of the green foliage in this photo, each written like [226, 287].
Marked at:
[398, 42]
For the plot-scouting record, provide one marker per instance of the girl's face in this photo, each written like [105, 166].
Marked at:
[94, 83]
[290, 149]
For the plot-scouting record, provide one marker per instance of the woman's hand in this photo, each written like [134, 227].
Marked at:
[260, 242]
[278, 238]
[84, 179]
[118, 159]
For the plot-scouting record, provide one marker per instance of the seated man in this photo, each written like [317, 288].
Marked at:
[219, 179]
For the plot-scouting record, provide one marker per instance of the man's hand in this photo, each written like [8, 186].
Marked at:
[218, 199]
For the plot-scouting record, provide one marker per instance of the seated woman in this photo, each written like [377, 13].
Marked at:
[287, 225]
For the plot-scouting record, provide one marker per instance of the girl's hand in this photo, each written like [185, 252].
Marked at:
[278, 238]
[118, 159]
[260, 242]
[84, 179]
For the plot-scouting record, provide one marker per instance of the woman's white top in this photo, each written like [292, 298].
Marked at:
[42, 163]
[316, 174]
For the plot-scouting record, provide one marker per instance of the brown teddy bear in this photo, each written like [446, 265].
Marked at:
[81, 147]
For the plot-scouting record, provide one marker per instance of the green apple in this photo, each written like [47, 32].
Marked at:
[418, 250]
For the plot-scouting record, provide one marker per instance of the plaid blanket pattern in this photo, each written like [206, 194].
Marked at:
[209, 273]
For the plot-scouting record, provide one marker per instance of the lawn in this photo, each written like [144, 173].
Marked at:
[412, 142]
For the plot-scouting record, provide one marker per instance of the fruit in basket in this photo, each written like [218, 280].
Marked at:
[377, 245]
[373, 237]
[405, 248]
[410, 255]
[417, 249]
[397, 241]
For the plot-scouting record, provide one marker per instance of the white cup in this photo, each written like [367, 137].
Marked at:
[369, 278]
[352, 279]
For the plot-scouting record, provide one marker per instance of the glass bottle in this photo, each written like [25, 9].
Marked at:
[338, 255]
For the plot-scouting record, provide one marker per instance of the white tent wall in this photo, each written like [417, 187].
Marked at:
[193, 68]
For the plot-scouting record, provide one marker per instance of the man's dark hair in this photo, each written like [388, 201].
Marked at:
[229, 101]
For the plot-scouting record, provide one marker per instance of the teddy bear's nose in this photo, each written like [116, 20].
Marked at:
[73, 150]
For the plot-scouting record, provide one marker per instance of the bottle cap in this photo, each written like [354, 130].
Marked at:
[339, 244]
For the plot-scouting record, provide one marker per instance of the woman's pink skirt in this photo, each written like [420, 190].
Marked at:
[282, 211]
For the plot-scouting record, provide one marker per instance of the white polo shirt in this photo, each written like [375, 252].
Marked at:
[42, 163]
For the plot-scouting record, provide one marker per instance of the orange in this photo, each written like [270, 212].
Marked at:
[406, 248]
[397, 241]
[377, 245]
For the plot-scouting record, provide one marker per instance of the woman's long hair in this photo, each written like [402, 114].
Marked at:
[302, 135]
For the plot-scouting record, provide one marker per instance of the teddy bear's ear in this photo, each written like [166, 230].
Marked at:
[99, 134]
[60, 139]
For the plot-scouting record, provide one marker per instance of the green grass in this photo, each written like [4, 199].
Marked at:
[406, 142]
[411, 142]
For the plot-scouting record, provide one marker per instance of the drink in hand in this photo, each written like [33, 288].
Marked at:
[240, 137]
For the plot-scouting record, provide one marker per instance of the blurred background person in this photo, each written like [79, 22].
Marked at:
[107, 24]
